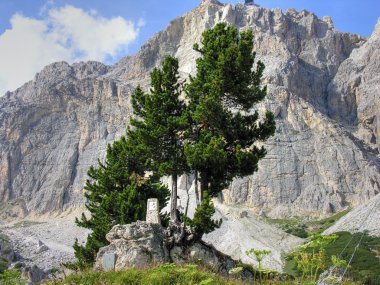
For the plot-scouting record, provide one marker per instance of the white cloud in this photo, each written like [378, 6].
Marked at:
[67, 33]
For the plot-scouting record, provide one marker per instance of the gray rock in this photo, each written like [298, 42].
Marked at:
[243, 214]
[42, 248]
[33, 274]
[237, 235]
[331, 276]
[202, 254]
[143, 244]
[353, 94]
[137, 245]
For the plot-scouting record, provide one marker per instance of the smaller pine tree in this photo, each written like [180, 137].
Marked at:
[202, 222]
[116, 194]
[159, 124]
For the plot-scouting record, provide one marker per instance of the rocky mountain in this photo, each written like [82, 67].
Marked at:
[323, 87]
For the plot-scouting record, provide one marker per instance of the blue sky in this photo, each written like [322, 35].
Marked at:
[34, 33]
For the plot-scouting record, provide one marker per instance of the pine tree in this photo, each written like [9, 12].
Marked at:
[160, 123]
[221, 141]
[116, 193]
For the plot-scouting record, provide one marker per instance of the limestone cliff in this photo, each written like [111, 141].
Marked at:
[353, 94]
[52, 129]
[323, 89]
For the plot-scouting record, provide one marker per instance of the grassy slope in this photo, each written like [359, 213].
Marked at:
[164, 274]
[365, 264]
[161, 275]
[301, 227]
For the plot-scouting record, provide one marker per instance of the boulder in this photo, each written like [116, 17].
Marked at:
[41, 247]
[138, 245]
[142, 244]
[331, 276]
[33, 274]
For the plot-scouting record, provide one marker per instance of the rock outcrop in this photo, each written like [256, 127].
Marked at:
[322, 88]
[136, 245]
[142, 244]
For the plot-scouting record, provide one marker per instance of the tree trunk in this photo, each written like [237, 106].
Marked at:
[188, 196]
[204, 184]
[173, 200]
[197, 201]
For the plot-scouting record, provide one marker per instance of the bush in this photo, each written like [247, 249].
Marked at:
[11, 277]
[299, 231]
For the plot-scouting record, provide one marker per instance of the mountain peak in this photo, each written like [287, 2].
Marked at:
[376, 30]
[207, 2]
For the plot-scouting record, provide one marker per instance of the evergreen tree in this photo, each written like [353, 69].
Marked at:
[202, 222]
[116, 194]
[224, 129]
[160, 123]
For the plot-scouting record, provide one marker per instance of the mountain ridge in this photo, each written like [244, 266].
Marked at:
[57, 125]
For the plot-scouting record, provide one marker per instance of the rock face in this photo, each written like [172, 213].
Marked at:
[322, 87]
[365, 217]
[353, 95]
[52, 129]
[142, 244]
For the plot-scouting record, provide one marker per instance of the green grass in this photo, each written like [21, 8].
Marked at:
[295, 226]
[302, 227]
[11, 277]
[25, 224]
[365, 265]
[167, 274]
[320, 226]
[160, 275]
[3, 265]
